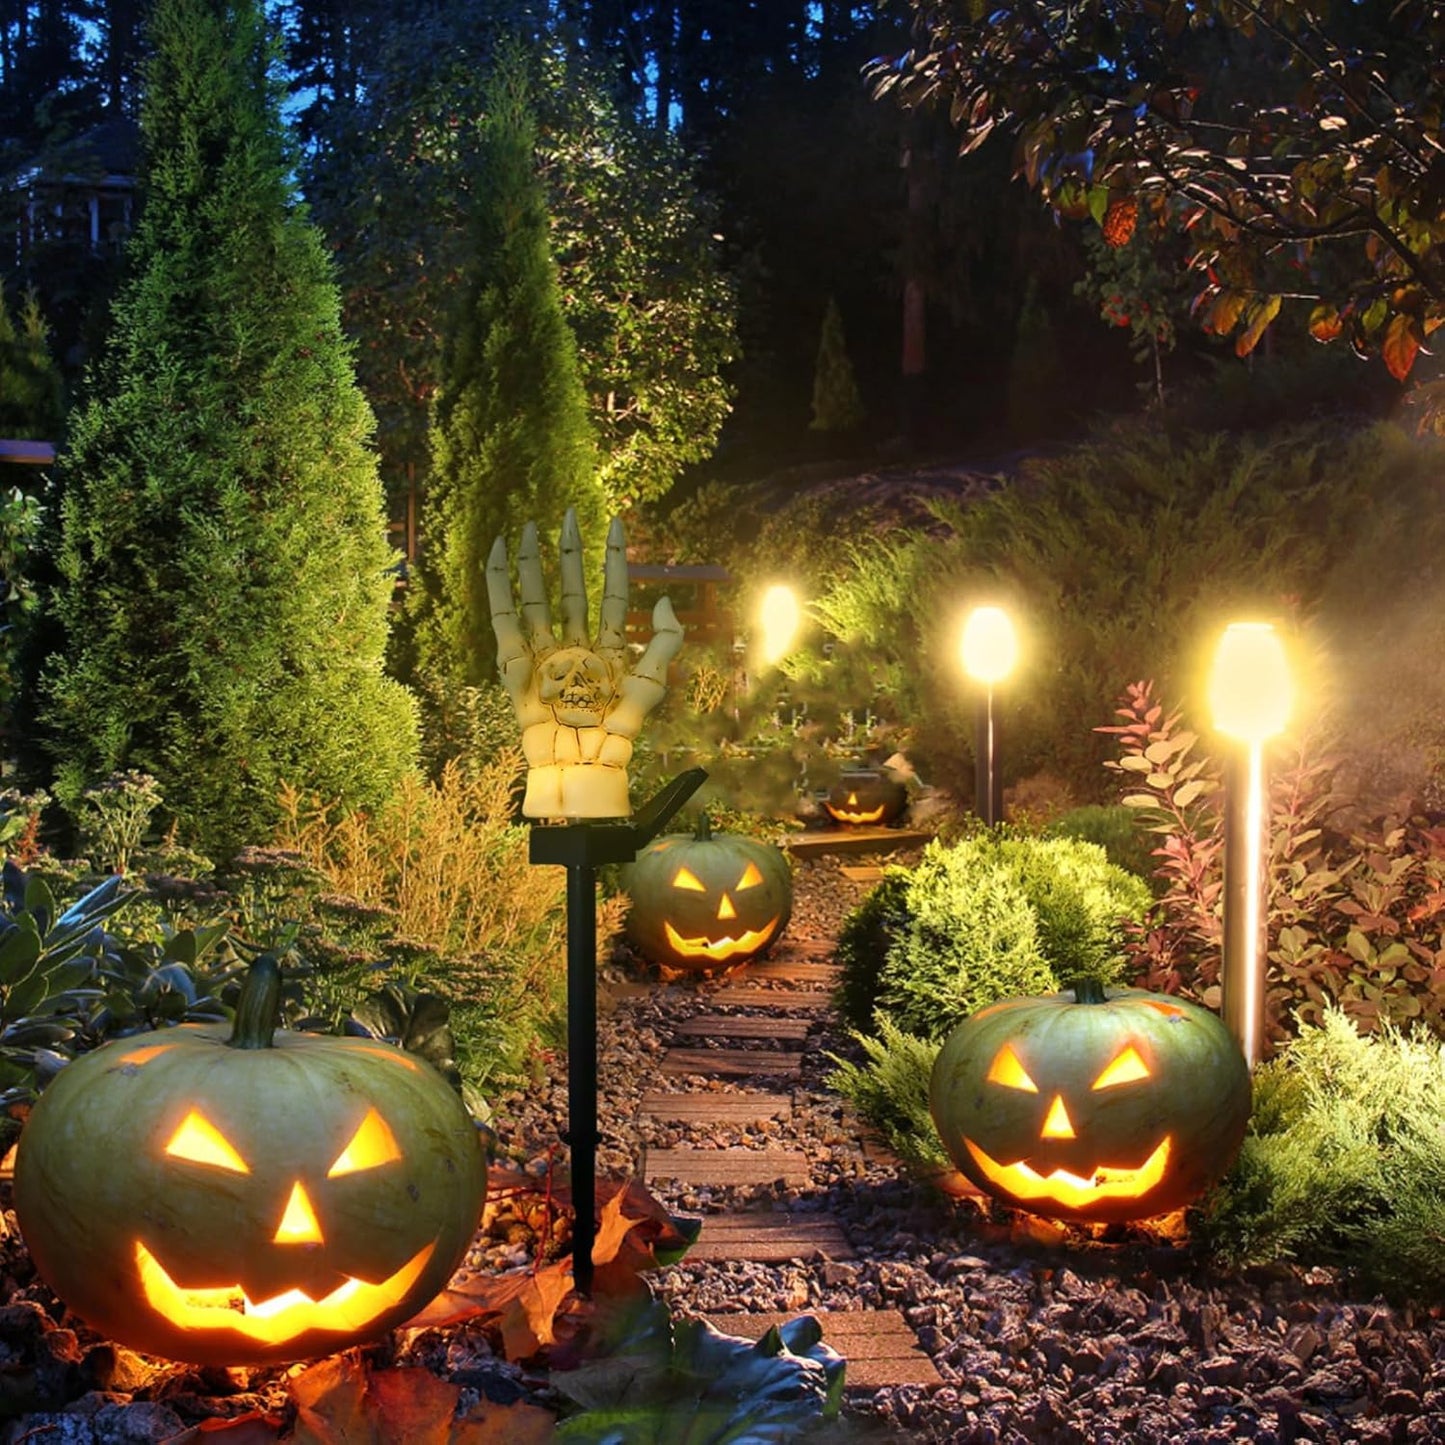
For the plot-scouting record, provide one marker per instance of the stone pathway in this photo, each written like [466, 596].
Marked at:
[734, 1063]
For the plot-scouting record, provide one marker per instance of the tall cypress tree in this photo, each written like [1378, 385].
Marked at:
[223, 590]
[510, 438]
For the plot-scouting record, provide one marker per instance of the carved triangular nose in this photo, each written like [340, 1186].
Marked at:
[1057, 1125]
[298, 1224]
[725, 909]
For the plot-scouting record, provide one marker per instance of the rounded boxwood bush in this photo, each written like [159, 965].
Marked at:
[993, 916]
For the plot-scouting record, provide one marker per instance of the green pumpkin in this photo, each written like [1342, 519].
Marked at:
[1094, 1105]
[251, 1198]
[708, 901]
[866, 799]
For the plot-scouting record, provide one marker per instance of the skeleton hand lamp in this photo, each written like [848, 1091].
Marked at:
[578, 705]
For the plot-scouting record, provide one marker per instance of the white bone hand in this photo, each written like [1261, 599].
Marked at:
[578, 704]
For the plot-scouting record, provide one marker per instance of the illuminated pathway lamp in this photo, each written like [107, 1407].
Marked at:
[989, 650]
[1250, 694]
[779, 617]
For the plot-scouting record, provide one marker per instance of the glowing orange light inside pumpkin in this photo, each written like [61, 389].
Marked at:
[686, 878]
[372, 1145]
[751, 877]
[350, 1307]
[725, 909]
[1125, 1069]
[1007, 1070]
[719, 948]
[299, 1224]
[1057, 1124]
[137, 1057]
[199, 1141]
[1071, 1190]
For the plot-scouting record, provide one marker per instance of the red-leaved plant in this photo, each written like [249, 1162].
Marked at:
[1355, 917]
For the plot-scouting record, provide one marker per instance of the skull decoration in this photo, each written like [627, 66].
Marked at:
[577, 685]
[1095, 1106]
[247, 1199]
[708, 901]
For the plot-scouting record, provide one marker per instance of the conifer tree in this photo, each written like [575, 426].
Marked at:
[224, 590]
[836, 403]
[510, 439]
[31, 392]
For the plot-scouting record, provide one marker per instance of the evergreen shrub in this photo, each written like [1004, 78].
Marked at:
[223, 565]
[992, 916]
[1344, 1162]
[1115, 829]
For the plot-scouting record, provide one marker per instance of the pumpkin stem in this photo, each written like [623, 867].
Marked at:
[1088, 990]
[258, 1010]
[704, 827]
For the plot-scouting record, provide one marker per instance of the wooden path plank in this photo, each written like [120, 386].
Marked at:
[783, 999]
[735, 1063]
[804, 948]
[771, 1238]
[730, 1108]
[726, 1026]
[825, 973]
[880, 1348]
[729, 1166]
[862, 873]
[817, 842]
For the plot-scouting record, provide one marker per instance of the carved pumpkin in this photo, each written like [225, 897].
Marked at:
[247, 1199]
[1092, 1105]
[866, 799]
[705, 902]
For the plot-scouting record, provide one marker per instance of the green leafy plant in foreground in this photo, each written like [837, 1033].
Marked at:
[664, 1381]
[1344, 1162]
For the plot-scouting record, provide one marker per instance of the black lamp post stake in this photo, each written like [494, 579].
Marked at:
[987, 779]
[582, 848]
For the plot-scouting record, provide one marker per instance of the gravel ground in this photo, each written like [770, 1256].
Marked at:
[1040, 1333]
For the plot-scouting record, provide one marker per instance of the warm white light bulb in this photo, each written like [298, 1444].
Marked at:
[779, 616]
[1250, 691]
[990, 646]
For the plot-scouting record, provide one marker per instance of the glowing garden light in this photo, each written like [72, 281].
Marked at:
[989, 651]
[779, 617]
[1250, 696]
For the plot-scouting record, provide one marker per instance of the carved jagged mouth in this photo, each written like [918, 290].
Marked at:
[1072, 1190]
[351, 1306]
[719, 948]
[843, 816]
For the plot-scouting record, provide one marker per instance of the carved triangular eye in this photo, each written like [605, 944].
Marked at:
[372, 1145]
[199, 1141]
[751, 877]
[1007, 1070]
[685, 878]
[1125, 1069]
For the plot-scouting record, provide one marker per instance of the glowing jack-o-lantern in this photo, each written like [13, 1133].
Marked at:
[708, 901]
[1092, 1105]
[860, 799]
[251, 1198]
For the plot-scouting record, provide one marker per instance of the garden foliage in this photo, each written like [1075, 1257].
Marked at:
[1116, 557]
[459, 904]
[396, 178]
[1344, 1162]
[32, 394]
[837, 406]
[993, 916]
[1356, 910]
[510, 438]
[223, 563]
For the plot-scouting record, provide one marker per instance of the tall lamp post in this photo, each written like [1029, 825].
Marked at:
[989, 650]
[779, 617]
[1250, 694]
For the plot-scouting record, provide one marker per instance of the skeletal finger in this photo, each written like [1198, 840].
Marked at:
[510, 643]
[534, 590]
[614, 589]
[574, 583]
[666, 640]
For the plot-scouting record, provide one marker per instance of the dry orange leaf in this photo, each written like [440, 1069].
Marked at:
[252, 1428]
[517, 1424]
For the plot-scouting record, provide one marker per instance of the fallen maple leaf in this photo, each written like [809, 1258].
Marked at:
[527, 1321]
[519, 1423]
[255, 1427]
